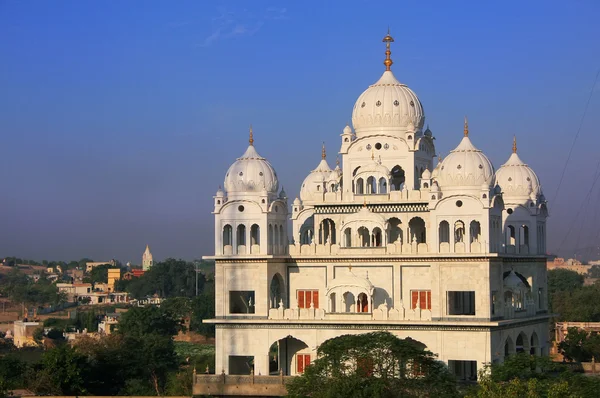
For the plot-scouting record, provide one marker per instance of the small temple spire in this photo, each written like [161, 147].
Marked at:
[251, 140]
[388, 60]
[323, 153]
[514, 144]
[466, 130]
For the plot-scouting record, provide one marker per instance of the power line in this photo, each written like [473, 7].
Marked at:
[575, 140]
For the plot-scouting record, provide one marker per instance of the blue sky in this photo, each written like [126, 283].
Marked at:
[118, 120]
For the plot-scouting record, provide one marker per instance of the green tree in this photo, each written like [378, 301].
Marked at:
[143, 321]
[171, 278]
[564, 280]
[203, 307]
[63, 371]
[99, 274]
[373, 365]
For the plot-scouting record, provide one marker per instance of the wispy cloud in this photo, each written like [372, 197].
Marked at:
[236, 23]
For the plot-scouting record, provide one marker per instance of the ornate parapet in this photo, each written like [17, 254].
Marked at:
[246, 385]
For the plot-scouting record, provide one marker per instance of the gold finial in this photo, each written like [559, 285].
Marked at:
[251, 140]
[337, 161]
[372, 155]
[466, 131]
[323, 153]
[388, 60]
[514, 144]
[365, 202]
[440, 158]
[350, 267]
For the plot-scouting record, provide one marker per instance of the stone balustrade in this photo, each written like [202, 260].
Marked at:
[382, 313]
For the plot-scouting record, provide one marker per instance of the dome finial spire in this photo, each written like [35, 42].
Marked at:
[466, 130]
[251, 140]
[514, 144]
[388, 60]
[323, 153]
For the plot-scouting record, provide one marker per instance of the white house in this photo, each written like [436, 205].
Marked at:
[449, 253]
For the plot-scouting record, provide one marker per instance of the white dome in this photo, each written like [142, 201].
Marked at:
[387, 105]
[465, 167]
[347, 130]
[316, 182]
[251, 173]
[426, 175]
[517, 180]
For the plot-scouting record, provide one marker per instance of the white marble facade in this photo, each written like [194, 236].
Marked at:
[450, 253]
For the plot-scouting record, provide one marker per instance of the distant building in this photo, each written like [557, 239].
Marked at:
[114, 274]
[147, 261]
[570, 265]
[23, 333]
[108, 323]
[91, 265]
[75, 290]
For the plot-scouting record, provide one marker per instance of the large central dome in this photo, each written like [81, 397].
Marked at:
[388, 105]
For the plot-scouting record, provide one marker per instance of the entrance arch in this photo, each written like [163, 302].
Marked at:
[290, 356]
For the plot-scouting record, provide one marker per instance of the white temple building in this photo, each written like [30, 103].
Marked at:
[449, 253]
[147, 260]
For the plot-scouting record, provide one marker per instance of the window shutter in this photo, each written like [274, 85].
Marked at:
[414, 299]
[300, 298]
[316, 298]
[300, 363]
[308, 297]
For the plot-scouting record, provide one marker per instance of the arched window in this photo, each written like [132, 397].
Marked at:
[508, 347]
[270, 237]
[362, 303]
[364, 238]
[241, 235]
[349, 302]
[444, 232]
[534, 346]
[376, 240]
[382, 185]
[524, 235]
[510, 236]
[255, 234]
[276, 290]
[522, 343]
[327, 232]
[281, 236]
[459, 231]
[398, 178]
[359, 186]
[475, 231]
[417, 230]
[371, 185]
[395, 231]
[275, 239]
[348, 237]
[227, 235]
[332, 299]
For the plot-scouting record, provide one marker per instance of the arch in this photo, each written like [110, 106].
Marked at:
[275, 239]
[277, 290]
[327, 232]
[534, 344]
[444, 232]
[382, 186]
[227, 235]
[417, 230]
[332, 300]
[376, 240]
[306, 231]
[348, 237]
[362, 303]
[270, 237]
[289, 356]
[349, 302]
[511, 238]
[522, 343]
[281, 237]
[364, 238]
[359, 186]
[255, 234]
[509, 347]
[475, 231]
[459, 231]
[371, 185]
[398, 178]
[394, 230]
[524, 235]
[241, 235]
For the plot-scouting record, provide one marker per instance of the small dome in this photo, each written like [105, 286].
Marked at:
[347, 130]
[282, 194]
[296, 202]
[426, 174]
[465, 167]
[387, 105]
[316, 182]
[352, 280]
[373, 167]
[428, 132]
[220, 192]
[251, 173]
[517, 181]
